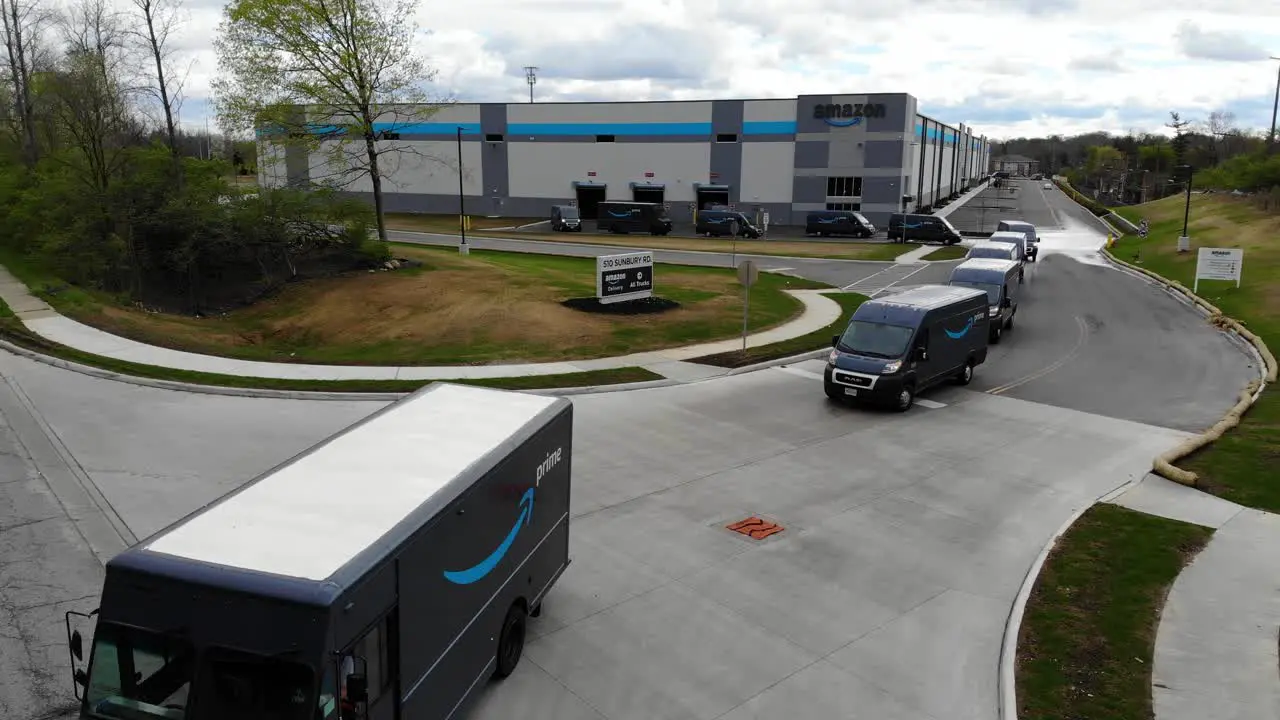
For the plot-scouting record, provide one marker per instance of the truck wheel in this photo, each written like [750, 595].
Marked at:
[966, 374]
[511, 641]
[996, 334]
[906, 396]
[1009, 325]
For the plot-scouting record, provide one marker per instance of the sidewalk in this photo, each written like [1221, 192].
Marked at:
[40, 318]
[1216, 653]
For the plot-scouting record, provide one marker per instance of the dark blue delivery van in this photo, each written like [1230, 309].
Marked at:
[897, 346]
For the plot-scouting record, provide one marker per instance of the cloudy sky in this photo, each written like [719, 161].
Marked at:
[1007, 67]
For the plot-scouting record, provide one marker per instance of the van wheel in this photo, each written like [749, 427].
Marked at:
[906, 396]
[1009, 325]
[996, 334]
[965, 375]
[511, 641]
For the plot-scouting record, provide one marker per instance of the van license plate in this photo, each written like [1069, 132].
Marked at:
[851, 391]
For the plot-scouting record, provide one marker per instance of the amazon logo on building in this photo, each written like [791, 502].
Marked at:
[848, 114]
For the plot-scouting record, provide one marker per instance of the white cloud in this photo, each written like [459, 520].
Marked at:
[1006, 67]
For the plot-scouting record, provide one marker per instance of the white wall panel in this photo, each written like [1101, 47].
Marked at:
[665, 112]
[768, 170]
[548, 170]
[428, 166]
[769, 110]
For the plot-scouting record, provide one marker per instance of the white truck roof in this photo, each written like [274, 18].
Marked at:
[313, 515]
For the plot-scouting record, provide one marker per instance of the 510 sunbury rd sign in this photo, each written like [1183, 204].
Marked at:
[628, 276]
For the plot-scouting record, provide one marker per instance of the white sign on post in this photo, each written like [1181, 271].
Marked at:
[628, 276]
[1218, 264]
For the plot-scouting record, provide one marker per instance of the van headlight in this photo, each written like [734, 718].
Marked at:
[891, 367]
[993, 311]
[831, 359]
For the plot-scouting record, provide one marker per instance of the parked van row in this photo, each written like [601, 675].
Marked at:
[899, 345]
[906, 227]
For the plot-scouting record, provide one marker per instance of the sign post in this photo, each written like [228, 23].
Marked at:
[748, 273]
[628, 276]
[1218, 264]
[733, 247]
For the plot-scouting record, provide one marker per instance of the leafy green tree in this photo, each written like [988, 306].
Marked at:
[334, 76]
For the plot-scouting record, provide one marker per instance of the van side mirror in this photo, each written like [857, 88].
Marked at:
[1008, 302]
[80, 678]
[835, 340]
[922, 354]
[357, 687]
[77, 645]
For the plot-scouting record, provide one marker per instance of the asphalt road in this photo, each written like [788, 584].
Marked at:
[906, 537]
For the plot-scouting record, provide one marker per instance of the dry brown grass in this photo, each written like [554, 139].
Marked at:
[456, 309]
[794, 248]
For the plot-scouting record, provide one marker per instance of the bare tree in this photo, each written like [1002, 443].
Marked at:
[339, 76]
[23, 22]
[160, 19]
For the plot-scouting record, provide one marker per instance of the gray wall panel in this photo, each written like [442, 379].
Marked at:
[726, 166]
[297, 166]
[895, 114]
[726, 116]
[805, 121]
[811, 154]
[809, 190]
[882, 153]
[493, 157]
[885, 191]
[617, 138]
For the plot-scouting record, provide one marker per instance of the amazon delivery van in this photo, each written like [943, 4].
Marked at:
[387, 572]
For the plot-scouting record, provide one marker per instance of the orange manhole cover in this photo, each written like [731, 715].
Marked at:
[755, 528]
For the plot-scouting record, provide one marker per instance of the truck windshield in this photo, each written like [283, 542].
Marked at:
[245, 686]
[138, 673]
[875, 339]
[991, 289]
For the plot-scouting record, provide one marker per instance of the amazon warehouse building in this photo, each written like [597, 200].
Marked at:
[871, 153]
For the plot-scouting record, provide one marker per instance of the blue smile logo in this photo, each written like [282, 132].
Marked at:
[486, 566]
[623, 214]
[845, 122]
[964, 331]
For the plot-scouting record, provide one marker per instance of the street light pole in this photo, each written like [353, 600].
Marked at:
[1184, 241]
[462, 201]
[1271, 139]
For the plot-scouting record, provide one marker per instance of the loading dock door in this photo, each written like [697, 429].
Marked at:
[589, 198]
[648, 192]
[712, 195]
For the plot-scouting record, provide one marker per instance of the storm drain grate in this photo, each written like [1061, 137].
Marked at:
[756, 528]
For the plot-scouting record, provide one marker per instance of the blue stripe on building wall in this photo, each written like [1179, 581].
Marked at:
[769, 127]
[622, 129]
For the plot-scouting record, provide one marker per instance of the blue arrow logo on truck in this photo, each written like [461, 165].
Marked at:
[963, 331]
[486, 566]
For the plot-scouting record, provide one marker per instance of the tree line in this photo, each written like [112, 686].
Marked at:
[100, 186]
[1139, 166]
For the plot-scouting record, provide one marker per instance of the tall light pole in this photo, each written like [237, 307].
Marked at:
[531, 77]
[462, 201]
[1186, 172]
[1271, 139]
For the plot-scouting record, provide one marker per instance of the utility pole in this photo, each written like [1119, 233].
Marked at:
[531, 77]
[1271, 139]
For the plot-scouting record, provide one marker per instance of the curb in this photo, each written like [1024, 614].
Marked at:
[370, 396]
[1008, 672]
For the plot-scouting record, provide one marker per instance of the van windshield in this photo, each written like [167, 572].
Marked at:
[137, 673]
[569, 213]
[990, 252]
[235, 684]
[875, 339]
[991, 289]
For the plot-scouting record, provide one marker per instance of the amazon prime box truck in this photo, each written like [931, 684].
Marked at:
[385, 573]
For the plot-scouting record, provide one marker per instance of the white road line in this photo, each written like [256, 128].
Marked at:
[862, 280]
[799, 372]
[934, 404]
[895, 282]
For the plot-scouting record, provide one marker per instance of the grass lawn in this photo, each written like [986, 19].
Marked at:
[1241, 466]
[11, 329]
[950, 252]
[486, 308]
[1088, 636]
[815, 340]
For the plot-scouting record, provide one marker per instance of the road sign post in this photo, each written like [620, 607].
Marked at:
[1218, 264]
[733, 239]
[748, 273]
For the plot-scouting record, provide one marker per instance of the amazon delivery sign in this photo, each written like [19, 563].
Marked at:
[628, 276]
[1218, 264]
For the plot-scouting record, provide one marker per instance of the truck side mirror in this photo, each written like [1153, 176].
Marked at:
[81, 678]
[922, 354]
[357, 687]
[77, 645]
[835, 340]
[1008, 302]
